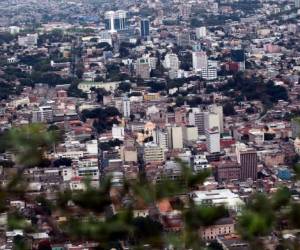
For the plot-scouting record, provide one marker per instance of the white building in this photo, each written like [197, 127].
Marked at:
[118, 132]
[200, 163]
[211, 120]
[201, 32]
[210, 73]
[171, 62]
[108, 86]
[218, 110]
[213, 140]
[160, 137]
[92, 147]
[218, 197]
[200, 61]
[126, 107]
[189, 133]
[14, 30]
[30, 40]
[115, 20]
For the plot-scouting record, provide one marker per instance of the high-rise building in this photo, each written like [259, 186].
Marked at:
[218, 110]
[210, 73]
[175, 137]
[43, 114]
[143, 68]
[196, 118]
[126, 107]
[153, 153]
[247, 158]
[185, 11]
[295, 127]
[297, 3]
[160, 137]
[201, 32]
[238, 56]
[183, 38]
[213, 140]
[145, 27]
[190, 133]
[171, 61]
[116, 20]
[200, 61]
[211, 120]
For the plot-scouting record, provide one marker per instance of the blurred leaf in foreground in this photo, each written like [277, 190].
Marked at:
[29, 143]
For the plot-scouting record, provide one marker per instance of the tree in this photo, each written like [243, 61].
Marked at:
[62, 162]
[228, 109]
[124, 87]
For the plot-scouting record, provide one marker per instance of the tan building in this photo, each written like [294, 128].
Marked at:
[223, 226]
[153, 153]
[189, 133]
[129, 154]
[151, 96]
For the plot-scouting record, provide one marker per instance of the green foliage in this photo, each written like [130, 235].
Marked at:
[254, 88]
[110, 144]
[104, 118]
[258, 218]
[29, 143]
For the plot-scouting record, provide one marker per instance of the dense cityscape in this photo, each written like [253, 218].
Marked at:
[150, 124]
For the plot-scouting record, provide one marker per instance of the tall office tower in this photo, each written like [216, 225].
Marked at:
[201, 32]
[183, 38]
[171, 61]
[143, 68]
[213, 140]
[295, 127]
[200, 61]
[247, 158]
[145, 27]
[126, 107]
[211, 120]
[238, 56]
[218, 110]
[160, 137]
[196, 118]
[153, 153]
[175, 137]
[210, 73]
[43, 114]
[297, 3]
[185, 11]
[115, 20]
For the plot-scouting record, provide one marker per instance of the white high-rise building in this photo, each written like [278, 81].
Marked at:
[190, 133]
[213, 140]
[175, 137]
[211, 120]
[218, 110]
[171, 61]
[209, 73]
[126, 107]
[200, 61]
[115, 20]
[297, 3]
[160, 137]
[118, 132]
[201, 32]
